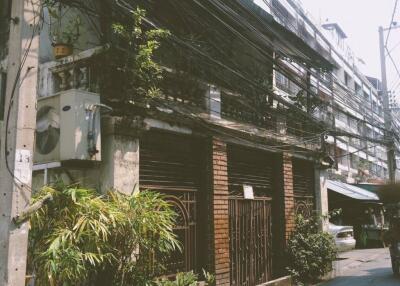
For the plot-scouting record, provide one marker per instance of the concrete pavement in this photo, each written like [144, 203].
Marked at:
[366, 267]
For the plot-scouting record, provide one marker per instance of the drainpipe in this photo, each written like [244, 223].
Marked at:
[93, 109]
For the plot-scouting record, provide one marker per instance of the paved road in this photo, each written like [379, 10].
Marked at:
[367, 267]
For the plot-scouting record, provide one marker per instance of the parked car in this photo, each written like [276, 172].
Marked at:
[343, 235]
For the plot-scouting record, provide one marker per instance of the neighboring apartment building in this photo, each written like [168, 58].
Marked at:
[239, 141]
[356, 107]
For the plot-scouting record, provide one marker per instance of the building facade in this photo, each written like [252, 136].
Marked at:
[356, 105]
[255, 99]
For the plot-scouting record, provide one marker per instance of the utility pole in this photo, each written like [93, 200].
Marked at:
[387, 115]
[17, 139]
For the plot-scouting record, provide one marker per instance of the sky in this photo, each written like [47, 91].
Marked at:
[360, 20]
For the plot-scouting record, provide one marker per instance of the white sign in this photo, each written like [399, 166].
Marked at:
[248, 192]
[23, 161]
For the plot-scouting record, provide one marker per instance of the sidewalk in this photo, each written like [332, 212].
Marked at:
[348, 261]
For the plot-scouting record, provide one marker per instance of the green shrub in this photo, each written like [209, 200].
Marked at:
[310, 251]
[181, 279]
[187, 279]
[83, 238]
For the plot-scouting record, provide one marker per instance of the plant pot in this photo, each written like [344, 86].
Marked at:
[61, 50]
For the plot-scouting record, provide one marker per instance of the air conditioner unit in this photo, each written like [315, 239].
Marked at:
[68, 127]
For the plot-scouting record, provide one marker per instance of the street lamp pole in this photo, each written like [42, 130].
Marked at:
[387, 115]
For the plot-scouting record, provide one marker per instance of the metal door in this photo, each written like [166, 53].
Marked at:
[250, 222]
[169, 164]
[303, 187]
[250, 241]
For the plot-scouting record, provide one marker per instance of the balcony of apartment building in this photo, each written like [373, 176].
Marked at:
[346, 122]
[291, 15]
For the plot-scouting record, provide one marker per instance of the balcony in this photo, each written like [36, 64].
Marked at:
[72, 72]
[297, 25]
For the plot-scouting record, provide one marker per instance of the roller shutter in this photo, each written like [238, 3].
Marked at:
[249, 167]
[170, 164]
[303, 186]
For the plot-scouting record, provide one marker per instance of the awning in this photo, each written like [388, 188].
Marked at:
[351, 191]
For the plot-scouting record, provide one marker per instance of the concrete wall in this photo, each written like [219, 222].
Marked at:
[120, 164]
[321, 195]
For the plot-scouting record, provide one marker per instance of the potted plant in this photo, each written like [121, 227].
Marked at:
[64, 32]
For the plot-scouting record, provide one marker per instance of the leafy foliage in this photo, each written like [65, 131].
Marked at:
[187, 279]
[301, 101]
[130, 61]
[82, 238]
[310, 251]
[181, 279]
[63, 29]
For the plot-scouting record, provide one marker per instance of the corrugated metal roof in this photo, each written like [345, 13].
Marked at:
[351, 191]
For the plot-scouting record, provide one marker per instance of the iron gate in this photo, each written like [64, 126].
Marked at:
[250, 221]
[170, 164]
[250, 241]
[303, 187]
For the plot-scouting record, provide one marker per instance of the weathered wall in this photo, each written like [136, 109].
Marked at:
[120, 163]
[321, 196]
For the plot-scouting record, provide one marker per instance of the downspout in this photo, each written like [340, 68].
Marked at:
[91, 136]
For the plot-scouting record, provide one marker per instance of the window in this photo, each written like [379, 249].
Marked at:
[360, 127]
[357, 88]
[354, 161]
[347, 79]
[342, 117]
[352, 122]
[3, 80]
[375, 107]
[366, 95]
[283, 83]
[281, 80]
[356, 142]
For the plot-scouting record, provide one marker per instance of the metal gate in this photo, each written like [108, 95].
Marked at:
[169, 163]
[303, 187]
[250, 241]
[250, 222]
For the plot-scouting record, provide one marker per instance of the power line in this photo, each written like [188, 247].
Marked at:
[391, 22]
[393, 62]
[189, 45]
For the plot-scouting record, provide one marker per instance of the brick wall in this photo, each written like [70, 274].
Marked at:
[219, 209]
[288, 197]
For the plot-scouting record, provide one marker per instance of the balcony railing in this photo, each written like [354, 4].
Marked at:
[256, 114]
[72, 72]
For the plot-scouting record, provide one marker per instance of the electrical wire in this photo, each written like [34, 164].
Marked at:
[393, 62]
[391, 22]
[196, 48]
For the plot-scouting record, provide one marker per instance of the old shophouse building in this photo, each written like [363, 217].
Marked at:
[255, 98]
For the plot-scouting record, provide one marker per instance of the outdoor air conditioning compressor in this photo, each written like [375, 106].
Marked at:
[68, 127]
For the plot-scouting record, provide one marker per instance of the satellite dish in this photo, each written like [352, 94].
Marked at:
[47, 129]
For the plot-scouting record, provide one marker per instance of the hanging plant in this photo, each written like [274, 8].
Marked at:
[64, 31]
